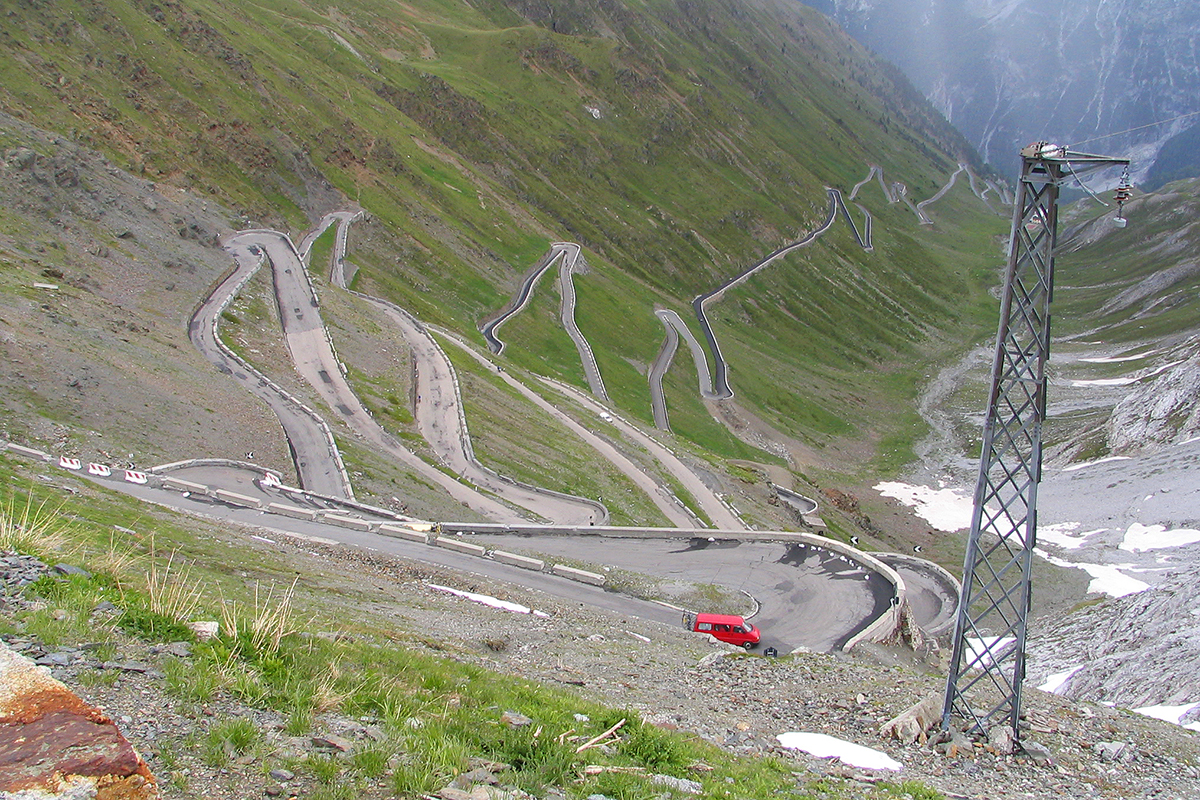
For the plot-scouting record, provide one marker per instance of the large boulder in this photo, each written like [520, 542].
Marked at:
[54, 745]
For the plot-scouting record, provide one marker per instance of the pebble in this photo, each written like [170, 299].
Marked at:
[514, 720]
[329, 742]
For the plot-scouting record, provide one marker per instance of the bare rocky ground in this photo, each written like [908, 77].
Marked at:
[100, 272]
[1137, 650]
[676, 680]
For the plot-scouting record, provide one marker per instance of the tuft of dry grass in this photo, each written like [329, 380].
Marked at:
[326, 696]
[172, 592]
[31, 527]
[117, 560]
[266, 623]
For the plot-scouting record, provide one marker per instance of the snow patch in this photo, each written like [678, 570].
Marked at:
[1106, 382]
[1106, 578]
[1058, 680]
[824, 746]
[1141, 537]
[1083, 464]
[986, 650]
[1170, 714]
[484, 599]
[1060, 535]
[1116, 359]
[944, 509]
[1132, 379]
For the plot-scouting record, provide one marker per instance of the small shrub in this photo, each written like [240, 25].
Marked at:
[194, 680]
[152, 626]
[540, 758]
[98, 677]
[911, 790]
[325, 769]
[652, 748]
[300, 718]
[413, 779]
[371, 762]
[340, 791]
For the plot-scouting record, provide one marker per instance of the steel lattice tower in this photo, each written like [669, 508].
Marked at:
[988, 659]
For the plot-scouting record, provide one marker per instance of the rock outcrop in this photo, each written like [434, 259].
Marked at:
[54, 745]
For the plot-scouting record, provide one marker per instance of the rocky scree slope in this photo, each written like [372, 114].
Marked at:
[101, 272]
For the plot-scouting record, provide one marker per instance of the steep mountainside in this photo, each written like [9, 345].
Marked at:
[1119, 501]
[1135, 289]
[1007, 72]
[678, 143]
[1124, 369]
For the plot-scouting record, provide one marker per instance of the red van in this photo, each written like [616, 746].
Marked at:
[727, 627]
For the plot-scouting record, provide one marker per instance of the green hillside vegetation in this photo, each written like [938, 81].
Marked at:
[676, 144]
[1138, 283]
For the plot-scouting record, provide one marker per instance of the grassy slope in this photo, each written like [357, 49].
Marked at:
[469, 134]
[1101, 262]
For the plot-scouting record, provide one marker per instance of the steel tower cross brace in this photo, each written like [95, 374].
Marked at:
[988, 659]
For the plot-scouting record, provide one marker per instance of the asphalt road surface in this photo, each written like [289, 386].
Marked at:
[317, 465]
[806, 596]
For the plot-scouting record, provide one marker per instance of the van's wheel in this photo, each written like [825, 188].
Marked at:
[748, 645]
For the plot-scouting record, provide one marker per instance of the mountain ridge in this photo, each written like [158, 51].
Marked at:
[1111, 77]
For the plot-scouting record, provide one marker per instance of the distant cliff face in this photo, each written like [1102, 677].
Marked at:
[1007, 72]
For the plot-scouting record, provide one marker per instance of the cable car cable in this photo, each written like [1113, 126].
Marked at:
[1138, 128]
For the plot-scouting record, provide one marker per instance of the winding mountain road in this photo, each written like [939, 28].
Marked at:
[314, 451]
[567, 255]
[718, 512]
[566, 282]
[808, 595]
[314, 358]
[676, 328]
[442, 421]
[942, 191]
[669, 505]
[874, 171]
[520, 300]
[720, 366]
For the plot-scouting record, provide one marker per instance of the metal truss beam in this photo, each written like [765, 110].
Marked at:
[988, 660]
